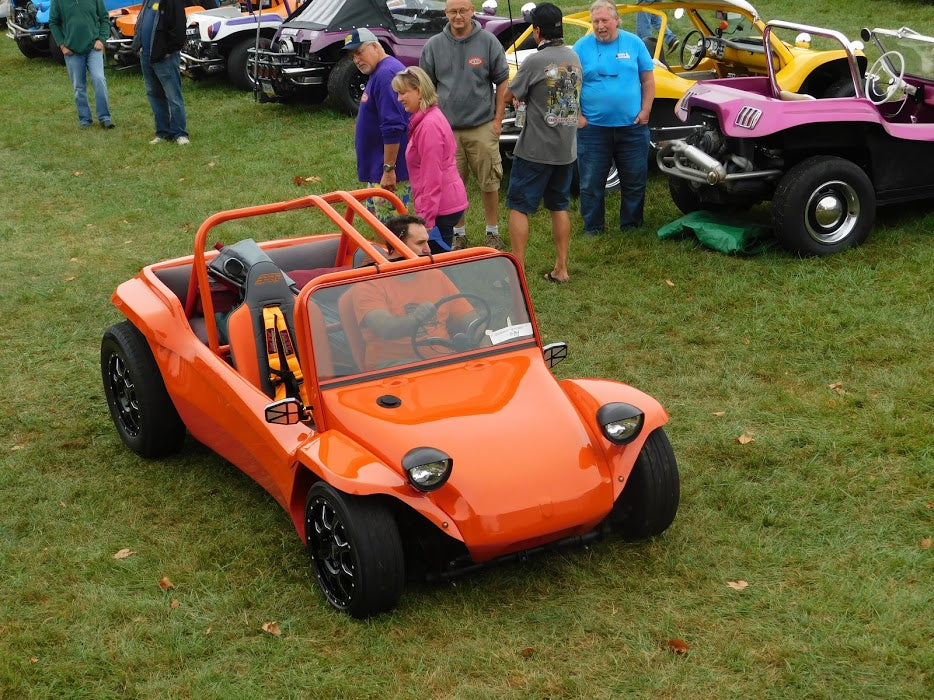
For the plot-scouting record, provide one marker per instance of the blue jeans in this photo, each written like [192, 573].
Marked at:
[164, 90]
[79, 65]
[647, 24]
[628, 148]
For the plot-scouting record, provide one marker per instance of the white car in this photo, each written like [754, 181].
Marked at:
[218, 40]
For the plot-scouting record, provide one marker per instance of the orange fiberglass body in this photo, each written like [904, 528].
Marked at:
[467, 450]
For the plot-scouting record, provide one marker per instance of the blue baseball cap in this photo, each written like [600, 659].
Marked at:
[357, 38]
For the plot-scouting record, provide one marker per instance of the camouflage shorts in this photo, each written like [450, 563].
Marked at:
[381, 208]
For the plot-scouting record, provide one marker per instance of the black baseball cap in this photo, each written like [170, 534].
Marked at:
[547, 15]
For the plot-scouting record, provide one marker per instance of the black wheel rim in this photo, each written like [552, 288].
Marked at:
[331, 552]
[358, 85]
[123, 393]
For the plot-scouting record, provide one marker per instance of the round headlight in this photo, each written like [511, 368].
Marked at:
[427, 468]
[621, 422]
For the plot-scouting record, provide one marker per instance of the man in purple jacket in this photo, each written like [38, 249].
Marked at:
[382, 122]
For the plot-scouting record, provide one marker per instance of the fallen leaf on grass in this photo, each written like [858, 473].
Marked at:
[77, 173]
[71, 279]
[746, 340]
[272, 628]
[61, 504]
[745, 439]
[925, 543]
[836, 386]
[174, 603]
[16, 447]
[124, 553]
[165, 584]
[299, 180]
[677, 646]
[737, 585]
[718, 414]
[207, 631]
[669, 283]
[527, 652]
[929, 505]
[211, 164]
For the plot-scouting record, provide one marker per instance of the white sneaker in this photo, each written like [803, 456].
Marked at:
[182, 141]
[156, 140]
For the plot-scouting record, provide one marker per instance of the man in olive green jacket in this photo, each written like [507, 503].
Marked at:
[80, 28]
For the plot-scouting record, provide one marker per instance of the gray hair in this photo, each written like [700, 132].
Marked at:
[596, 4]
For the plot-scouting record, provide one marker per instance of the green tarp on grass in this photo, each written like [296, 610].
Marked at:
[723, 232]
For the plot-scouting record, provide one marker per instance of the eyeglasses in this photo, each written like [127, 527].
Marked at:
[461, 12]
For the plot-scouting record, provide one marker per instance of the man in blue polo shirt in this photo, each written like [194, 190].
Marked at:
[382, 122]
[616, 99]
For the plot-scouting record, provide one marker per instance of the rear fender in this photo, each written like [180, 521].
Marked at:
[155, 315]
[588, 395]
[341, 462]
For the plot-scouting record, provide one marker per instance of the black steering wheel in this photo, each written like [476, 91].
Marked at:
[468, 340]
[691, 56]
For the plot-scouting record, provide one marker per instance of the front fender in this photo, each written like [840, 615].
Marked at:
[348, 467]
[588, 395]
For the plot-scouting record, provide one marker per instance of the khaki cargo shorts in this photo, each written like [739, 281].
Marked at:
[478, 152]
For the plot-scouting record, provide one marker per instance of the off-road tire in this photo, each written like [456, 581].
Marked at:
[238, 66]
[29, 49]
[55, 51]
[355, 550]
[649, 501]
[345, 85]
[807, 196]
[140, 406]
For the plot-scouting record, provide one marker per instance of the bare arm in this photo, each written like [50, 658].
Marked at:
[648, 96]
[389, 327]
[501, 91]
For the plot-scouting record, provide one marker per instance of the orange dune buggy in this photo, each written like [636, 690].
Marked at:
[457, 448]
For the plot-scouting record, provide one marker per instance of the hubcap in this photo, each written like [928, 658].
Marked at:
[832, 212]
[331, 552]
[124, 395]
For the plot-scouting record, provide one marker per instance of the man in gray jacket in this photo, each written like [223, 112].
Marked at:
[465, 62]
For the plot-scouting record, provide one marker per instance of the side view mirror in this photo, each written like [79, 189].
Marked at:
[527, 11]
[285, 412]
[489, 7]
[555, 353]
[679, 13]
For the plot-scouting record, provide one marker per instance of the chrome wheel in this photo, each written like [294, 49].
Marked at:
[832, 212]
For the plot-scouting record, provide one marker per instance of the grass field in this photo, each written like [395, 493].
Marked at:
[827, 514]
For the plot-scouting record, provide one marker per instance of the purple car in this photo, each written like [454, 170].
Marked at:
[823, 163]
[305, 59]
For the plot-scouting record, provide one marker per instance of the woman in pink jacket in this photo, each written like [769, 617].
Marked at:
[439, 193]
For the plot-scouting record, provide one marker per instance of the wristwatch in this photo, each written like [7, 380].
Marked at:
[388, 168]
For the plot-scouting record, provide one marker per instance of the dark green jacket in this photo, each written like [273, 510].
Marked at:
[77, 24]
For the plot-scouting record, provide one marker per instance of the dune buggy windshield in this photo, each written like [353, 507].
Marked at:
[917, 50]
[430, 315]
